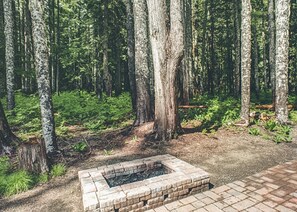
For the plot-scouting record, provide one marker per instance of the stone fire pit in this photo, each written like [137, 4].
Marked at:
[163, 178]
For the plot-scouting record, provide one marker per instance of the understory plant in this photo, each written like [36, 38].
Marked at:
[58, 170]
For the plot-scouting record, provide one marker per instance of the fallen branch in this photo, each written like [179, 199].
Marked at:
[271, 107]
[192, 106]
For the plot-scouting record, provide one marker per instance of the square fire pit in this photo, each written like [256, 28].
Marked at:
[140, 185]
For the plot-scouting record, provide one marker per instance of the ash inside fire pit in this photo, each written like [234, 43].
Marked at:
[138, 175]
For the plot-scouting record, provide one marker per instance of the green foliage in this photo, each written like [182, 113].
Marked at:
[219, 112]
[4, 165]
[58, 170]
[80, 147]
[279, 138]
[270, 125]
[43, 178]
[26, 115]
[76, 107]
[17, 182]
[254, 131]
[283, 134]
[89, 111]
[293, 116]
[12, 182]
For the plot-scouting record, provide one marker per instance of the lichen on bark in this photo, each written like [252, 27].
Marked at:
[42, 69]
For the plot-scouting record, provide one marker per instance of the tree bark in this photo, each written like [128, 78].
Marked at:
[106, 74]
[42, 69]
[6, 135]
[131, 50]
[246, 48]
[187, 61]
[166, 35]
[142, 72]
[32, 156]
[281, 59]
[58, 49]
[2, 50]
[237, 49]
[9, 52]
[271, 29]
[204, 46]
[256, 63]
[211, 71]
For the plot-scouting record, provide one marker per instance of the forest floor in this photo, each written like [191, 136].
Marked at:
[229, 154]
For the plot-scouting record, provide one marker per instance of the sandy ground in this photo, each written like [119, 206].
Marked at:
[228, 155]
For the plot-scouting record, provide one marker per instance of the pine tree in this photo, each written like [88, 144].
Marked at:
[42, 69]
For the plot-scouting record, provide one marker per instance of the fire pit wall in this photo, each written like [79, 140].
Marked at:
[179, 180]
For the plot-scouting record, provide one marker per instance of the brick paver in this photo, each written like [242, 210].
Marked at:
[274, 189]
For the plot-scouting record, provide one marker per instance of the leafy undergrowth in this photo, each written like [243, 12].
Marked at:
[14, 181]
[226, 111]
[219, 112]
[71, 108]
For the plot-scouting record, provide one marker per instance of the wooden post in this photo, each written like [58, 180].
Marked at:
[32, 156]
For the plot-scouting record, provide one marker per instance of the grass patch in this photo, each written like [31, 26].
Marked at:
[254, 131]
[58, 170]
[18, 182]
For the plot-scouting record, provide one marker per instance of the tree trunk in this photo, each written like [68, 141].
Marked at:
[9, 52]
[166, 35]
[271, 29]
[237, 49]
[204, 45]
[106, 74]
[281, 59]
[256, 63]
[131, 50]
[142, 72]
[211, 71]
[187, 61]
[32, 156]
[58, 49]
[195, 49]
[6, 136]
[246, 48]
[43, 79]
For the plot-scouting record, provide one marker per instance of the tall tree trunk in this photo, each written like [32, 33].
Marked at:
[229, 62]
[271, 29]
[246, 48]
[106, 73]
[195, 48]
[51, 17]
[264, 38]
[58, 49]
[9, 53]
[281, 59]
[6, 136]
[166, 35]
[237, 49]
[131, 51]
[256, 63]
[43, 78]
[211, 73]
[187, 61]
[2, 50]
[204, 45]
[142, 72]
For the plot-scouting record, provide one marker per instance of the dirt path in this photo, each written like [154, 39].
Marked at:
[227, 155]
